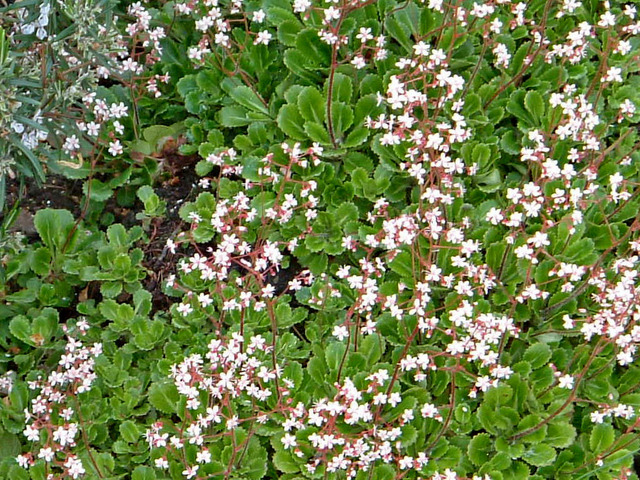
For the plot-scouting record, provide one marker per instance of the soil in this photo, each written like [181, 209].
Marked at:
[179, 185]
[58, 192]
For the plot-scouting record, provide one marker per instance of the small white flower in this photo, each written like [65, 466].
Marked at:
[340, 332]
[185, 309]
[115, 148]
[288, 441]
[566, 381]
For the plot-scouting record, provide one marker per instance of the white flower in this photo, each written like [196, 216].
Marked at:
[566, 381]
[46, 454]
[184, 309]
[190, 472]
[115, 148]
[264, 37]
[340, 332]
[203, 456]
[300, 6]
[32, 434]
[71, 144]
[288, 441]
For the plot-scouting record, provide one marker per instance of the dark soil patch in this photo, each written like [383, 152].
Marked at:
[180, 187]
[58, 192]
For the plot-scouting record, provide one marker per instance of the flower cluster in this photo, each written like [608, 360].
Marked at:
[53, 418]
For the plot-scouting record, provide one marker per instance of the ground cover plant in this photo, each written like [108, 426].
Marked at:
[341, 239]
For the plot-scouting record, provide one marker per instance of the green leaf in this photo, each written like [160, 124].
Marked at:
[288, 32]
[9, 446]
[516, 107]
[36, 164]
[342, 88]
[342, 117]
[97, 190]
[20, 327]
[291, 122]
[479, 448]
[143, 473]
[481, 155]
[312, 105]
[277, 15]
[534, 104]
[164, 397]
[383, 472]
[129, 431]
[509, 143]
[367, 106]
[539, 455]
[53, 226]
[209, 81]
[254, 464]
[602, 437]
[560, 434]
[312, 47]
[403, 265]
[317, 133]
[538, 355]
[356, 137]
[346, 212]
[249, 99]
[334, 354]
[233, 116]
[301, 65]
[4, 47]
[284, 462]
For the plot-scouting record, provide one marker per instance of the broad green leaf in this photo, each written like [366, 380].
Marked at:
[367, 106]
[479, 448]
[277, 15]
[539, 455]
[288, 32]
[312, 105]
[9, 445]
[560, 434]
[301, 65]
[233, 116]
[20, 327]
[534, 104]
[284, 461]
[164, 397]
[209, 81]
[402, 264]
[342, 88]
[334, 354]
[129, 431]
[291, 122]
[53, 226]
[317, 133]
[312, 47]
[143, 473]
[602, 437]
[249, 99]
[356, 137]
[516, 107]
[342, 118]
[538, 355]
[481, 155]
[346, 212]
[383, 472]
